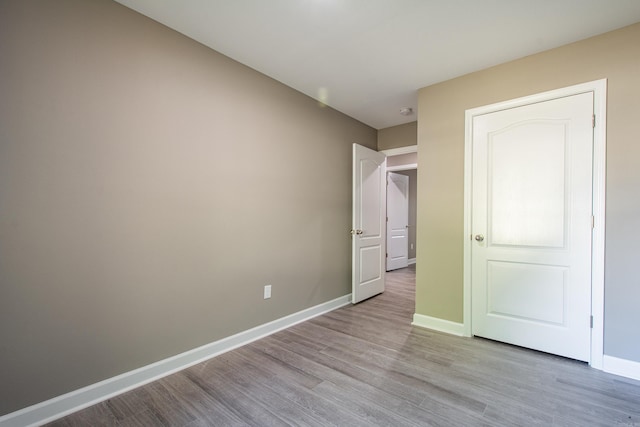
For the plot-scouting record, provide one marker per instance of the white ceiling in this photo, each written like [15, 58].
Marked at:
[368, 58]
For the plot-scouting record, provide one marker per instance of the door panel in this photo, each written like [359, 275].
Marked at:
[516, 154]
[370, 197]
[368, 224]
[526, 291]
[397, 221]
[369, 269]
[531, 223]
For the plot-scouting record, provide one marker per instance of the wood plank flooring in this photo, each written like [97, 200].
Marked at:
[365, 365]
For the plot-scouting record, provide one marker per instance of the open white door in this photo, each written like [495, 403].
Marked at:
[397, 221]
[368, 225]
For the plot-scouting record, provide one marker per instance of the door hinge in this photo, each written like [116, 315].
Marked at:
[593, 121]
[591, 322]
[386, 255]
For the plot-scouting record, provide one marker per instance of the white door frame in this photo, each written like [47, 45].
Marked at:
[599, 89]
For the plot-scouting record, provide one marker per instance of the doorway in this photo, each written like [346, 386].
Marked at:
[404, 161]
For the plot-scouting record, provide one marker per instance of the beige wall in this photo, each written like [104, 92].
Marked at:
[614, 56]
[398, 136]
[149, 189]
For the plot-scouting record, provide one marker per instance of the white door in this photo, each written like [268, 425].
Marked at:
[397, 221]
[368, 226]
[532, 225]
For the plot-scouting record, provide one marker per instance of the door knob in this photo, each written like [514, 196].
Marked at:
[356, 232]
[479, 237]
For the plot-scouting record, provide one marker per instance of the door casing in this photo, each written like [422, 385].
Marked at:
[599, 89]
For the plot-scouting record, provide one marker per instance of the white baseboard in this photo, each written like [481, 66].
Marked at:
[76, 400]
[436, 324]
[622, 367]
[412, 261]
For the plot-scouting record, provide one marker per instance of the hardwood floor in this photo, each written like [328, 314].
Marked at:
[365, 365]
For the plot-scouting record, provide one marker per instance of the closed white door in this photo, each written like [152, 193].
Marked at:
[532, 225]
[368, 226]
[397, 221]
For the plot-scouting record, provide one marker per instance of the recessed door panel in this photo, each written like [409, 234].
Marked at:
[530, 292]
[369, 264]
[526, 207]
[371, 198]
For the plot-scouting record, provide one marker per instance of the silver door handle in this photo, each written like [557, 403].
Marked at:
[479, 237]
[356, 232]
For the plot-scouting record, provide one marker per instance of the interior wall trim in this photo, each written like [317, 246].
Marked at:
[76, 400]
[409, 166]
[399, 151]
[440, 325]
[623, 367]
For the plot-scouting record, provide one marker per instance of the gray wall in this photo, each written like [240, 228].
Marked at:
[614, 56]
[149, 189]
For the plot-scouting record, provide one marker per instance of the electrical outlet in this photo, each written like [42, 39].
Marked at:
[412, 246]
[267, 291]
